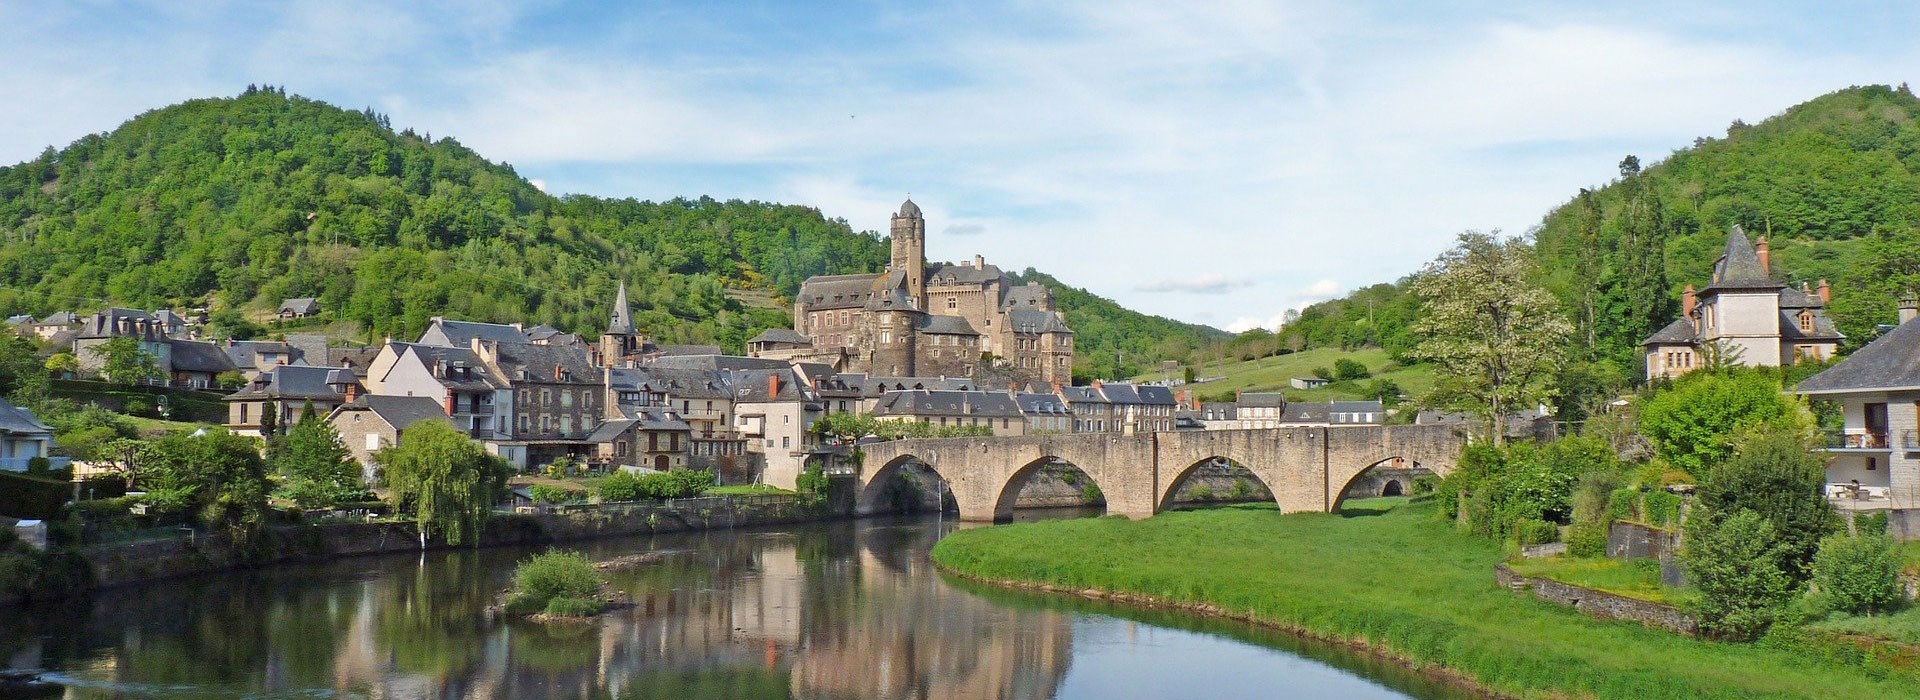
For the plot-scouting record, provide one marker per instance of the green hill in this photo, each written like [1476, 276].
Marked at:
[236, 203]
[1834, 182]
[1217, 381]
[1113, 342]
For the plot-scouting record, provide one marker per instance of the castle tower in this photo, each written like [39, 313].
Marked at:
[620, 339]
[910, 251]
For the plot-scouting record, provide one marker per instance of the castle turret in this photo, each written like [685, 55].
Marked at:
[620, 339]
[910, 251]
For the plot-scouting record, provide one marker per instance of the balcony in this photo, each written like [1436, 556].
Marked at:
[1876, 442]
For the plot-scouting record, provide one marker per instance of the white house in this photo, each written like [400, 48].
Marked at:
[1874, 462]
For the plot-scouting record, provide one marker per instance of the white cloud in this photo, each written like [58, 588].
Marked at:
[1307, 296]
[1208, 283]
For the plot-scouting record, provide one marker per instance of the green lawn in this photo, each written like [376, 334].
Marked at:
[155, 427]
[1403, 582]
[1638, 578]
[1903, 626]
[1273, 373]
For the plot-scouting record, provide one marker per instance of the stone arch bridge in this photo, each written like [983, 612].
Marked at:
[1307, 469]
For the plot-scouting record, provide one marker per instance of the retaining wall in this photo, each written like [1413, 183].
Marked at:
[1599, 604]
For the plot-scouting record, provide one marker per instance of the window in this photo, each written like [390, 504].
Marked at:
[786, 442]
[566, 398]
[953, 302]
[373, 442]
[1873, 464]
[243, 413]
[1806, 321]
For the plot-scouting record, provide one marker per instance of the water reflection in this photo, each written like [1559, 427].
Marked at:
[844, 610]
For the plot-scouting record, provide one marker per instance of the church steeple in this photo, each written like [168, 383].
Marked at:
[622, 322]
[910, 250]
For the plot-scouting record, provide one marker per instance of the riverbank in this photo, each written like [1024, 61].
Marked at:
[1391, 578]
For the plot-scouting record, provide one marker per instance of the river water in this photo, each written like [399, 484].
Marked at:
[848, 610]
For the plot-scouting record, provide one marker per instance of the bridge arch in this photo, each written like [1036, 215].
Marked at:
[1360, 485]
[1018, 479]
[1177, 481]
[880, 486]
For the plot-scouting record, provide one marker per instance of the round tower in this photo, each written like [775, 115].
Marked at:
[910, 250]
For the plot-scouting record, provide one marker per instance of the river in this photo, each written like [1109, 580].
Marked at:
[847, 610]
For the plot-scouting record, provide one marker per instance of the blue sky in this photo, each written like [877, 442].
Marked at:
[1217, 163]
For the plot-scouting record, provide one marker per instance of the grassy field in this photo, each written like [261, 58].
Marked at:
[1393, 576]
[1273, 373]
[1638, 578]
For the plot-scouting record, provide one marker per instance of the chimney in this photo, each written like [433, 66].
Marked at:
[773, 386]
[1688, 299]
[1909, 307]
[353, 391]
[451, 401]
[1825, 292]
[1096, 384]
[557, 372]
[1766, 257]
[980, 261]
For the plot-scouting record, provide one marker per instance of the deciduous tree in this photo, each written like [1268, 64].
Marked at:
[444, 479]
[1493, 332]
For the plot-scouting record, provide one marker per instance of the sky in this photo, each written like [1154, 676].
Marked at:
[1217, 163]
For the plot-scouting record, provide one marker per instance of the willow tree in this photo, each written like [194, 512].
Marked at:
[445, 480]
[1494, 333]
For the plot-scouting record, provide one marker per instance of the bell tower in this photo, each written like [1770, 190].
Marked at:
[910, 251]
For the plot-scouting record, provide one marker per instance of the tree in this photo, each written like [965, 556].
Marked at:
[1693, 424]
[219, 475]
[125, 361]
[1859, 575]
[1348, 368]
[1493, 333]
[62, 363]
[1734, 564]
[444, 479]
[270, 419]
[1775, 474]
[321, 472]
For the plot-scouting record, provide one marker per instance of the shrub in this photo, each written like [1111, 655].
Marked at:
[811, 481]
[572, 607]
[620, 487]
[1345, 368]
[1874, 523]
[545, 493]
[1090, 493]
[556, 575]
[523, 604]
[1587, 540]
[1533, 531]
[1858, 575]
[1623, 504]
[17, 572]
[1693, 423]
[1735, 566]
[1661, 509]
[1423, 485]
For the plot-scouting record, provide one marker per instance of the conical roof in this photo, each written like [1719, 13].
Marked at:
[1739, 266]
[622, 322]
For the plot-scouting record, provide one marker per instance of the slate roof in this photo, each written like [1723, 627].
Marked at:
[612, 429]
[1036, 321]
[20, 320]
[675, 382]
[1026, 296]
[1891, 361]
[537, 362]
[357, 359]
[200, 356]
[948, 403]
[1219, 410]
[462, 333]
[946, 325]
[1081, 394]
[1679, 332]
[963, 274]
[104, 323]
[399, 411]
[1306, 412]
[1262, 399]
[689, 349]
[1739, 266]
[481, 377]
[542, 332]
[836, 291]
[301, 305]
[1823, 328]
[750, 386]
[309, 347]
[1041, 405]
[871, 387]
[781, 335]
[290, 382]
[1791, 298]
[1357, 407]
[621, 320]
[909, 209]
[1120, 393]
[1156, 395]
[717, 362]
[15, 420]
[60, 318]
[243, 352]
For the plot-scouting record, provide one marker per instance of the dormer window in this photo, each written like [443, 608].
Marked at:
[1806, 321]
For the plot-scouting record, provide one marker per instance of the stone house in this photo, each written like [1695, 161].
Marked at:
[302, 307]
[700, 398]
[557, 400]
[59, 322]
[1313, 414]
[1878, 389]
[1045, 413]
[996, 411]
[1744, 315]
[654, 438]
[1092, 413]
[253, 357]
[112, 323]
[473, 395]
[285, 390]
[449, 333]
[774, 412]
[1260, 409]
[371, 423]
[197, 364]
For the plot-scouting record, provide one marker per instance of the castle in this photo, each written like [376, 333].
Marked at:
[1745, 316]
[916, 319]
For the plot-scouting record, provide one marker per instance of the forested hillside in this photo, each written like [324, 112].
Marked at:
[237, 203]
[1114, 342]
[1833, 182]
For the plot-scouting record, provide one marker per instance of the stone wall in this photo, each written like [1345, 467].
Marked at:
[1599, 604]
[119, 565]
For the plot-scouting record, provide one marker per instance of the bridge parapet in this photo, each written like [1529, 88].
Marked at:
[1306, 468]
